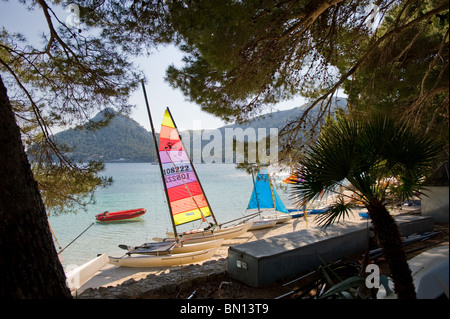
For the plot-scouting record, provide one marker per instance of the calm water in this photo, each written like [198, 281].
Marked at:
[139, 185]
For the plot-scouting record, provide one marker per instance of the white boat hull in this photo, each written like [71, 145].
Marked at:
[262, 224]
[78, 276]
[284, 218]
[181, 249]
[271, 214]
[148, 261]
[190, 247]
[208, 235]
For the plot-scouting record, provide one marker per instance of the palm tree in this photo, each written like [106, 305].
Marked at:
[369, 155]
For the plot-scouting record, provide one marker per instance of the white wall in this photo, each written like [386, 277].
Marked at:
[435, 204]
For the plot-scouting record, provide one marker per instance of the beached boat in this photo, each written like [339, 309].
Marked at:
[186, 201]
[163, 260]
[262, 224]
[364, 215]
[120, 215]
[278, 218]
[185, 195]
[172, 247]
[297, 213]
[266, 201]
[301, 213]
[210, 234]
[77, 277]
[218, 233]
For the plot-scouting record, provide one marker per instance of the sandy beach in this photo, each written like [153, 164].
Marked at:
[112, 276]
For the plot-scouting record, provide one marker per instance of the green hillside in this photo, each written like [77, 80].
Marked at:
[279, 119]
[122, 140]
[125, 140]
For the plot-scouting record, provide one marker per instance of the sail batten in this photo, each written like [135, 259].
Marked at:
[186, 197]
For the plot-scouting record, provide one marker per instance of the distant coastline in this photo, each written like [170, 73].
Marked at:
[124, 140]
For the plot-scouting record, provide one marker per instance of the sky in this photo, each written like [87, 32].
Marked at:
[187, 115]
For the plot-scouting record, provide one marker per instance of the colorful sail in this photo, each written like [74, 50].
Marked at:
[293, 179]
[187, 201]
[264, 195]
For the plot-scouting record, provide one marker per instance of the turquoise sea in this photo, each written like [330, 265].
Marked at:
[139, 185]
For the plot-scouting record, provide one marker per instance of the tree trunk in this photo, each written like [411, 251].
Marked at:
[390, 241]
[29, 264]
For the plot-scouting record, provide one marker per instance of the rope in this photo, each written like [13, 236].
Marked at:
[193, 234]
[75, 238]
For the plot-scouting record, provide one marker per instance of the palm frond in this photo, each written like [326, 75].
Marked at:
[366, 152]
[346, 285]
[340, 210]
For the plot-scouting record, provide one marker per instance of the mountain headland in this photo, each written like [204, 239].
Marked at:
[125, 140]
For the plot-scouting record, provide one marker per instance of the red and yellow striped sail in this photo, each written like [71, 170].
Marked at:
[185, 194]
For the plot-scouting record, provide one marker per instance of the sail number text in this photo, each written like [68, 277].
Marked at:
[174, 178]
[173, 170]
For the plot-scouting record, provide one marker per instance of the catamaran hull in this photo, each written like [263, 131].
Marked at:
[164, 260]
[271, 215]
[208, 235]
[314, 211]
[279, 219]
[262, 224]
[182, 249]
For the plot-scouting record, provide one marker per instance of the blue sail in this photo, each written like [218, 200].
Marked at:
[279, 203]
[264, 195]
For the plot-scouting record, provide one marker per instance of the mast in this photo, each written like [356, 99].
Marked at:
[159, 161]
[271, 192]
[256, 192]
[195, 172]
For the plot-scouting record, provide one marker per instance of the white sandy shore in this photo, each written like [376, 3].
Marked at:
[112, 275]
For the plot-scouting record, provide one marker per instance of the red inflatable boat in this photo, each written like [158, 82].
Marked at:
[121, 215]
